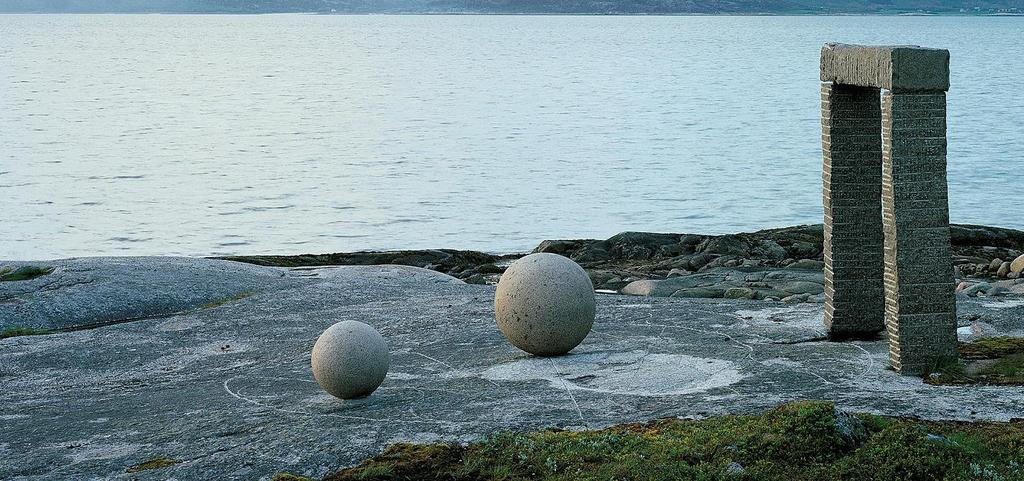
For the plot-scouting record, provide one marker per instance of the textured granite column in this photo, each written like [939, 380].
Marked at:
[919, 306]
[920, 303]
[851, 126]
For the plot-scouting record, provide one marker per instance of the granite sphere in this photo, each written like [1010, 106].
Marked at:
[545, 304]
[350, 360]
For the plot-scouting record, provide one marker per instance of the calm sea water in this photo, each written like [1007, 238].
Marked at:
[201, 135]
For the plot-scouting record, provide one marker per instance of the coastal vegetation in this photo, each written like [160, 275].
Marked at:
[810, 440]
[992, 361]
[23, 273]
[23, 331]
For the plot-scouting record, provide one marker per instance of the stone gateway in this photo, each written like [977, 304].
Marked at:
[888, 261]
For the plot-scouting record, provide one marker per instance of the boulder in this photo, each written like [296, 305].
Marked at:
[1017, 266]
[725, 245]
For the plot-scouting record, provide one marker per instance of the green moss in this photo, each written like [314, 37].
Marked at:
[226, 300]
[992, 348]
[289, 477]
[996, 361]
[155, 463]
[24, 273]
[23, 331]
[800, 441]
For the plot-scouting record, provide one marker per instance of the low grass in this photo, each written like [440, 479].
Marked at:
[24, 273]
[290, 477]
[23, 331]
[155, 463]
[226, 300]
[990, 361]
[992, 348]
[801, 441]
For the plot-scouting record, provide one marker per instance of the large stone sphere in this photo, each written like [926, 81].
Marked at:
[350, 360]
[545, 304]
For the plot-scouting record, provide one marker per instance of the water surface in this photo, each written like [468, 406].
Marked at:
[199, 135]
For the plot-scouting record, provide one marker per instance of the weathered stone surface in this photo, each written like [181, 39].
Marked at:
[919, 287]
[888, 67]
[919, 307]
[350, 360]
[851, 116]
[544, 304]
[228, 390]
[113, 289]
[1017, 266]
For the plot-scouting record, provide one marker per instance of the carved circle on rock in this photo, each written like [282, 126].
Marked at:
[545, 304]
[350, 360]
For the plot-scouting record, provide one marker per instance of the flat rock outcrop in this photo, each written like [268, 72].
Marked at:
[225, 391]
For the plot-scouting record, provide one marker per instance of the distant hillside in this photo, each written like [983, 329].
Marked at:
[981, 7]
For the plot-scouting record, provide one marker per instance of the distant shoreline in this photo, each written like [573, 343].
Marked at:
[529, 14]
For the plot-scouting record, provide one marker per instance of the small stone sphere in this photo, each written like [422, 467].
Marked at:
[545, 304]
[350, 360]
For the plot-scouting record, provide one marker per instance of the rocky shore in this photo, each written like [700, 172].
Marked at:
[185, 368]
[783, 264]
[189, 368]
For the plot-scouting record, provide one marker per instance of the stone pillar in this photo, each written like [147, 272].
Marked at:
[920, 305]
[851, 139]
[919, 302]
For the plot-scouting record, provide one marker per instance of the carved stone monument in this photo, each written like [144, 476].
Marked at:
[888, 259]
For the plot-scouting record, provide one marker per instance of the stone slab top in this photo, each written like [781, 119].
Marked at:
[901, 67]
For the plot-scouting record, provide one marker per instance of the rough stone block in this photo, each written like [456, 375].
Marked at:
[887, 251]
[891, 67]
